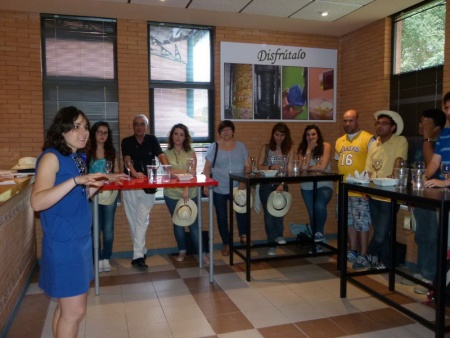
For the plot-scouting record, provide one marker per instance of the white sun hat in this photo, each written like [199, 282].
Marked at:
[25, 163]
[184, 213]
[393, 115]
[240, 200]
[279, 203]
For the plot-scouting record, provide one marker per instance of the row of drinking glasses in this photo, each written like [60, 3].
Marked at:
[297, 165]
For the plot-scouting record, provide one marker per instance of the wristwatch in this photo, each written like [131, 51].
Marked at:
[427, 140]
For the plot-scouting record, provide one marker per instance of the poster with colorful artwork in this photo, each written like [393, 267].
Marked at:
[263, 82]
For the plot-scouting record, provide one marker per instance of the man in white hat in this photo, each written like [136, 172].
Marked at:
[391, 148]
[351, 153]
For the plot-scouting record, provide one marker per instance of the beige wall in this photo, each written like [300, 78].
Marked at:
[363, 84]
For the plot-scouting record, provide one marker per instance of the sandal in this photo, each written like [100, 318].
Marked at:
[181, 256]
[226, 250]
[205, 259]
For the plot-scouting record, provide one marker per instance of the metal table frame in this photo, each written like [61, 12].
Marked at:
[251, 180]
[436, 198]
[199, 181]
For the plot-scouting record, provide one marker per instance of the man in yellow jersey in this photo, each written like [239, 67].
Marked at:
[391, 149]
[351, 152]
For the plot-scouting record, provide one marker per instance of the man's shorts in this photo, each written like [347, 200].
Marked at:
[358, 213]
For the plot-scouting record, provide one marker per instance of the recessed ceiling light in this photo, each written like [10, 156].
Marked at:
[324, 13]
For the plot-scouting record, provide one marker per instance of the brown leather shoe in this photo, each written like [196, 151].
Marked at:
[226, 250]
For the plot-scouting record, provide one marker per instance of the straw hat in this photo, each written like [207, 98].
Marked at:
[25, 163]
[279, 203]
[395, 116]
[184, 213]
[240, 200]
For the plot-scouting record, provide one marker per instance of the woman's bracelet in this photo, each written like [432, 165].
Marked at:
[75, 181]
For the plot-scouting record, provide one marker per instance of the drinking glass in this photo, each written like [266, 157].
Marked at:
[317, 159]
[154, 170]
[108, 166]
[377, 163]
[128, 165]
[304, 164]
[445, 170]
[253, 165]
[419, 165]
[190, 165]
[295, 167]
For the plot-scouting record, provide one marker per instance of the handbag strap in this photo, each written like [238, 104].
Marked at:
[215, 155]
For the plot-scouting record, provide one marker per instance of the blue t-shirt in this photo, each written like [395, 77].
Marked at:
[442, 146]
[227, 162]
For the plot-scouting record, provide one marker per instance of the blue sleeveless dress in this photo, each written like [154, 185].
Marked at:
[66, 264]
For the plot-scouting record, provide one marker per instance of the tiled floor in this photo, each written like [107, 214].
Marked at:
[286, 298]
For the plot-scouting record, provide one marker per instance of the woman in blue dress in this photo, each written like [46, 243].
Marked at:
[60, 193]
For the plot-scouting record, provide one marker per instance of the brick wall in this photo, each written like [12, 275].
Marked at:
[363, 84]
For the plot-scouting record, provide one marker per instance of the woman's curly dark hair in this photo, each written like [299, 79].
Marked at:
[187, 141]
[318, 150]
[110, 151]
[63, 123]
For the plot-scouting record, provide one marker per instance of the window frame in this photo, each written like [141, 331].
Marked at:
[197, 142]
[107, 87]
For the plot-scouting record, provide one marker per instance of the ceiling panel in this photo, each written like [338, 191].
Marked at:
[219, 5]
[335, 11]
[250, 14]
[171, 3]
[283, 8]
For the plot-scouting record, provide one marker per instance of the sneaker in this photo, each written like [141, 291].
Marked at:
[373, 260]
[362, 262]
[379, 266]
[271, 251]
[422, 290]
[318, 237]
[100, 265]
[318, 249]
[280, 240]
[106, 265]
[352, 255]
[407, 281]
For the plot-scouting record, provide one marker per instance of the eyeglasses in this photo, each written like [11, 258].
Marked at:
[137, 124]
[79, 127]
[384, 124]
[227, 130]
[102, 133]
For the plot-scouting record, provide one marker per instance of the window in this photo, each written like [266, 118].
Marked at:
[419, 36]
[79, 68]
[181, 80]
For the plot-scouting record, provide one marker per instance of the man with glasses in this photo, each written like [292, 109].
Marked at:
[138, 151]
[391, 149]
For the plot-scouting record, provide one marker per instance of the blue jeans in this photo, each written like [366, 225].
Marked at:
[179, 232]
[323, 197]
[221, 202]
[106, 215]
[380, 212]
[426, 238]
[273, 225]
